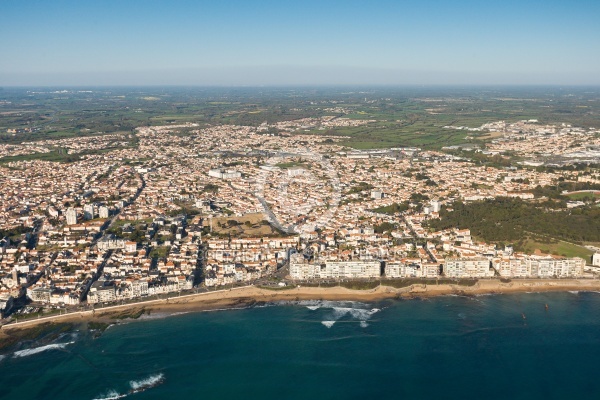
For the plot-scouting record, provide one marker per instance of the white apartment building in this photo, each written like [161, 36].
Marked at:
[411, 270]
[224, 174]
[110, 243]
[99, 293]
[139, 288]
[88, 211]
[130, 247]
[103, 212]
[71, 216]
[376, 194]
[334, 269]
[40, 295]
[513, 268]
[473, 267]
[295, 171]
[402, 270]
[540, 267]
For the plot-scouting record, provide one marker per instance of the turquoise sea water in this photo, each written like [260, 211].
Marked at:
[489, 347]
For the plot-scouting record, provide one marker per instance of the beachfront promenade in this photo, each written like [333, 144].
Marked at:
[101, 310]
[247, 295]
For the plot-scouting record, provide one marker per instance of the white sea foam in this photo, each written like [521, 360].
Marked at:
[36, 350]
[326, 303]
[574, 291]
[136, 387]
[313, 308]
[339, 312]
[328, 324]
[361, 314]
[111, 395]
[150, 382]
[2, 358]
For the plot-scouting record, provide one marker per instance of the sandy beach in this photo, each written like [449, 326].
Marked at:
[247, 296]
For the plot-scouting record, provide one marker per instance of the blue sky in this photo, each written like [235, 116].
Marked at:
[234, 42]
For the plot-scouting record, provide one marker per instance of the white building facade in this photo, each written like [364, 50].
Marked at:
[540, 267]
[473, 267]
[334, 269]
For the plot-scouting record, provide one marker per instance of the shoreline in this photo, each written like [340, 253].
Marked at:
[246, 296]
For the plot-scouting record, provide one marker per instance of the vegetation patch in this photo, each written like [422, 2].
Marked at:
[513, 220]
[98, 326]
[278, 288]
[392, 209]
[360, 285]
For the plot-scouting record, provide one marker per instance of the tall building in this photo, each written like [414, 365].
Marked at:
[103, 212]
[376, 194]
[71, 216]
[88, 211]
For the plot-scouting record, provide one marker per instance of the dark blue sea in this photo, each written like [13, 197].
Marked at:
[488, 347]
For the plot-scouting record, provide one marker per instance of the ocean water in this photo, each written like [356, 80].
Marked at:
[490, 347]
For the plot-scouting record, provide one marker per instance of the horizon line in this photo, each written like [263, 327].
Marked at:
[305, 85]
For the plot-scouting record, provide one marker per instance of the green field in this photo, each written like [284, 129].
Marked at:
[584, 196]
[403, 116]
[557, 247]
[56, 156]
[290, 164]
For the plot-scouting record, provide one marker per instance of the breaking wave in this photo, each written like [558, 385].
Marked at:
[36, 350]
[144, 384]
[335, 310]
[110, 395]
[136, 387]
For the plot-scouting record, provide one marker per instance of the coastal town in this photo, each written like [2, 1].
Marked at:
[182, 208]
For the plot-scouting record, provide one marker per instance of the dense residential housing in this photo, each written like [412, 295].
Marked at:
[174, 211]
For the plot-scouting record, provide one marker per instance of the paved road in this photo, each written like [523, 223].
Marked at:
[108, 254]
